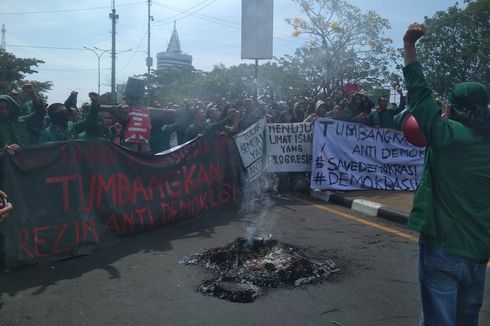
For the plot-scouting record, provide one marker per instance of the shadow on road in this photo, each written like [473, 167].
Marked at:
[154, 242]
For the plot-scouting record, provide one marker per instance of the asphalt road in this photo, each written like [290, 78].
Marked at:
[140, 281]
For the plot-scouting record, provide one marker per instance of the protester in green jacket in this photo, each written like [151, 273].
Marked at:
[61, 128]
[20, 130]
[160, 136]
[383, 117]
[201, 127]
[451, 208]
[358, 109]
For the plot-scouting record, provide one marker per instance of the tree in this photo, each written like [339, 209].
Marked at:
[13, 71]
[174, 84]
[456, 46]
[233, 82]
[344, 46]
[282, 80]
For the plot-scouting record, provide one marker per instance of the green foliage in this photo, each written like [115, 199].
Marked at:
[345, 46]
[456, 46]
[233, 82]
[172, 85]
[276, 80]
[13, 71]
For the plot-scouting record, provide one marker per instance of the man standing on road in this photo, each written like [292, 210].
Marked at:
[451, 209]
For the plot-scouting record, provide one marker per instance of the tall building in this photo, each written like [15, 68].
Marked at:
[173, 57]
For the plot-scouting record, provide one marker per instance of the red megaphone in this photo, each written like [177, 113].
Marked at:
[412, 132]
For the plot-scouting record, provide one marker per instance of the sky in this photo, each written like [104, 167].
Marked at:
[56, 31]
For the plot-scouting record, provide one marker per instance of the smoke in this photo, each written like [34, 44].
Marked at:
[256, 206]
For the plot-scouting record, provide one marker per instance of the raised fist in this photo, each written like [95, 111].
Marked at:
[414, 32]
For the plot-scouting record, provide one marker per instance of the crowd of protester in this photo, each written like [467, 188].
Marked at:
[36, 122]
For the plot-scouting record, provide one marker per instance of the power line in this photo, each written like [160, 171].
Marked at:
[183, 11]
[134, 54]
[216, 20]
[71, 70]
[66, 10]
[186, 12]
[44, 47]
[53, 47]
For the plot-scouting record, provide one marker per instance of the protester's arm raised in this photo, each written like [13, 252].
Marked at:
[92, 116]
[414, 32]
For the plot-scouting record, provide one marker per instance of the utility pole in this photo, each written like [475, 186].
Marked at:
[256, 81]
[3, 45]
[149, 59]
[114, 18]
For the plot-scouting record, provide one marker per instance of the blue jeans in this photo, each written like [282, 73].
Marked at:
[451, 287]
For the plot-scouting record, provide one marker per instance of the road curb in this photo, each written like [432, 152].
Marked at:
[363, 206]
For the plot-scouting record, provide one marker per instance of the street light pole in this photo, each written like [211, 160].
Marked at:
[98, 55]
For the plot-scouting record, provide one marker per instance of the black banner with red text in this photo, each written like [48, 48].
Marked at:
[69, 197]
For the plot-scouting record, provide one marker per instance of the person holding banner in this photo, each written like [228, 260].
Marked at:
[383, 117]
[451, 209]
[358, 109]
[299, 110]
[201, 127]
[61, 128]
[320, 111]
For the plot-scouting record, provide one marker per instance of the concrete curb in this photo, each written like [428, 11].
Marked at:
[362, 206]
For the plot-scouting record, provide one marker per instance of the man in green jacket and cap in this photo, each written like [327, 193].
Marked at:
[20, 130]
[451, 208]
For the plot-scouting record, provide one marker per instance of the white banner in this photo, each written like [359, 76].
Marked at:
[250, 144]
[352, 156]
[288, 147]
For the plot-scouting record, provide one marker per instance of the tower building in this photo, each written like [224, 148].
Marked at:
[173, 57]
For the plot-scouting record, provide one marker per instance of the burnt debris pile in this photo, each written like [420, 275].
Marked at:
[246, 268]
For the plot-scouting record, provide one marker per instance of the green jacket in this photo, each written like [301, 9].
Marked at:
[193, 130]
[160, 137]
[350, 112]
[50, 133]
[91, 127]
[21, 130]
[385, 119]
[451, 204]
[86, 128]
